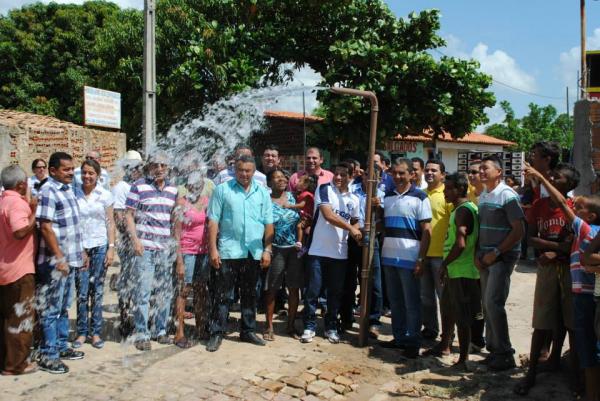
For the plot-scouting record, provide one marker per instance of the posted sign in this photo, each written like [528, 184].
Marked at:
[101, 108]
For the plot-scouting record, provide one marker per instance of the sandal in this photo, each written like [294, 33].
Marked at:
[291, 331]
[268, 335]
[30, 368]
[98, 344]
[183, 343]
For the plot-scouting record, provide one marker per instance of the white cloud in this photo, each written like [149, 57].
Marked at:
[306, 77]
[503, 68]
[570, 61]
[495, 114]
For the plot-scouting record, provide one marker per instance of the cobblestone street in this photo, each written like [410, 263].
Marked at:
[283, 370]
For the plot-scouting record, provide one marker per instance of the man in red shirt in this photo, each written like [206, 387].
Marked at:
[17, 285]
[312, 165]
[549, 233]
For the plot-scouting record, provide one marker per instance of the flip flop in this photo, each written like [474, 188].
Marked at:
[76, 344]
[98, 344]
[183, 343]
[268, 335]
[30, 368]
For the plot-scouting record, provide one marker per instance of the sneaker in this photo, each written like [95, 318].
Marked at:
[71, 355]
[332, 336]
[54, 366]
[307, 336]
[374, 331]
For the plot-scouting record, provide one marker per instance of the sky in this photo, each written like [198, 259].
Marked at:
[530, 45]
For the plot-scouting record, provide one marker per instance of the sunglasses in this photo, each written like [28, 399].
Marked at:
[40, 166]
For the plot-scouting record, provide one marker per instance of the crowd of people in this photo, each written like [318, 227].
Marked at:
[447, 241]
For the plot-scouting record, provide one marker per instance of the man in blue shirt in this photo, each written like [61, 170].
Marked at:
[240, 214]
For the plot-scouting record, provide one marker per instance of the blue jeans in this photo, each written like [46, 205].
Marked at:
[55, 293]
[154, 292]
[90, 288]
[232, 273]
[495, 284]
[330, 274]
[404, 293]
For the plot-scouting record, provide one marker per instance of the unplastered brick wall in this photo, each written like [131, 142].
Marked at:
[586, 144]
[25, 137]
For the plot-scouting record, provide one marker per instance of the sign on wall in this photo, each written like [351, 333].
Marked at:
[512, 161]
[101, 108]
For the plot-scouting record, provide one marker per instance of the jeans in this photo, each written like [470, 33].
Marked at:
[330, 274]
[232, 273]
[154, 292]
[404, 292]
[90, 288]
[55, 293]
[495, 284]
[431, 292]
[352, 275]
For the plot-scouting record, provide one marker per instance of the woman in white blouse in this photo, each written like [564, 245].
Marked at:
[97, 221]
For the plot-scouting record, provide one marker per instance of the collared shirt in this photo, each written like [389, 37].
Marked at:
[498, 209]
[358, 190]
[17, 255]
[153, 209]
[440, 218]
[325, 176]
[404, 213]
[229, 174]
[92, 213]
[328, 240]
[31, 183]
[242, 217]
[57, 204]
[103, 180]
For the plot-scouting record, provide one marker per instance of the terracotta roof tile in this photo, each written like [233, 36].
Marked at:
[289, 115]
[473, 138]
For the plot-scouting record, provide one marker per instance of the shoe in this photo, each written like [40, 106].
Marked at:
[429, 334]
[54, 366]
[71, 355]
[487, 360]
[214, 343]
[307, 336]
[76, 344]
[164, 339]
[374, 331]
[475, 348]
[392, 344]
[332, 336]
[252, 338]
[411, 352]
[98, 344]
[143, 345]
[502, 362]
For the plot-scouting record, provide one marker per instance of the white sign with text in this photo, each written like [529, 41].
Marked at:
[101, 108]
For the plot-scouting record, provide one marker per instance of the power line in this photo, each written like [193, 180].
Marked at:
[513, 87]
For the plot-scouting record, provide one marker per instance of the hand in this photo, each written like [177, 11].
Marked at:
[356, 234]
[265, 260]
[110, 256]
[478, 264]
[443, 273]
[215, 259]
[375, 201]
[418, 272]
[298, 245]
[180, 269]
[138, 248]
[592, 269]
[488, 259]
[63, 268]
[86, 261]
[33, 202]
[530, 172]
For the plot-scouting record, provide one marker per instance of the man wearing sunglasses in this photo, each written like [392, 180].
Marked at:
[104, 178]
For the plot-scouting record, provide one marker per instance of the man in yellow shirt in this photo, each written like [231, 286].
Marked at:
[475, 184]
[431, 286]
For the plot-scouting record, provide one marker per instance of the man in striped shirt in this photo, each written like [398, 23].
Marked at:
[149, 209]
[500, 232]
[407, 214]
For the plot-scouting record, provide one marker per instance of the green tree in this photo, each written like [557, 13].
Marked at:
[207, 49]
[542, 123]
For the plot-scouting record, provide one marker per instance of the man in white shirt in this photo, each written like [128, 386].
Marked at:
[336, 215]
[104, 178]
[229, 173]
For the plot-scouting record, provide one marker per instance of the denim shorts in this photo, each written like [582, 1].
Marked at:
[196, 268]
[586, 342]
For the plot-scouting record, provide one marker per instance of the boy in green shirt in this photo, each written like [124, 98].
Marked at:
[462, 294]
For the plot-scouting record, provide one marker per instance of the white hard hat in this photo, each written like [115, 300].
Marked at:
[133, 155]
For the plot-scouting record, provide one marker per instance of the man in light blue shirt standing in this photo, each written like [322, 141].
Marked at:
[240, 215]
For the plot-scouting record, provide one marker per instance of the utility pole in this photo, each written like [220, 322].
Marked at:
[149, 115]
[584, 72]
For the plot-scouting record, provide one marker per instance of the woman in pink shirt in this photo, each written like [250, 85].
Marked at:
[192, 261]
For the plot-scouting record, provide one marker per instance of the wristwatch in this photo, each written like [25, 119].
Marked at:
[420, 260]
[497, 252]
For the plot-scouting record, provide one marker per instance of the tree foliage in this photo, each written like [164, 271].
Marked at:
[542, 123]
[207, 49]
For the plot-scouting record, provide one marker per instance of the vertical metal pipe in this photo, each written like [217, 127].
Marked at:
[369, 229]
[149, 99]
[584, 72]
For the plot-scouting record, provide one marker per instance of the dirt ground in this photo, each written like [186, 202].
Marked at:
[285, 369]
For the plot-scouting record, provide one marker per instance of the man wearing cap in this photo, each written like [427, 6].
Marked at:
[150, 204]
[132, 167]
